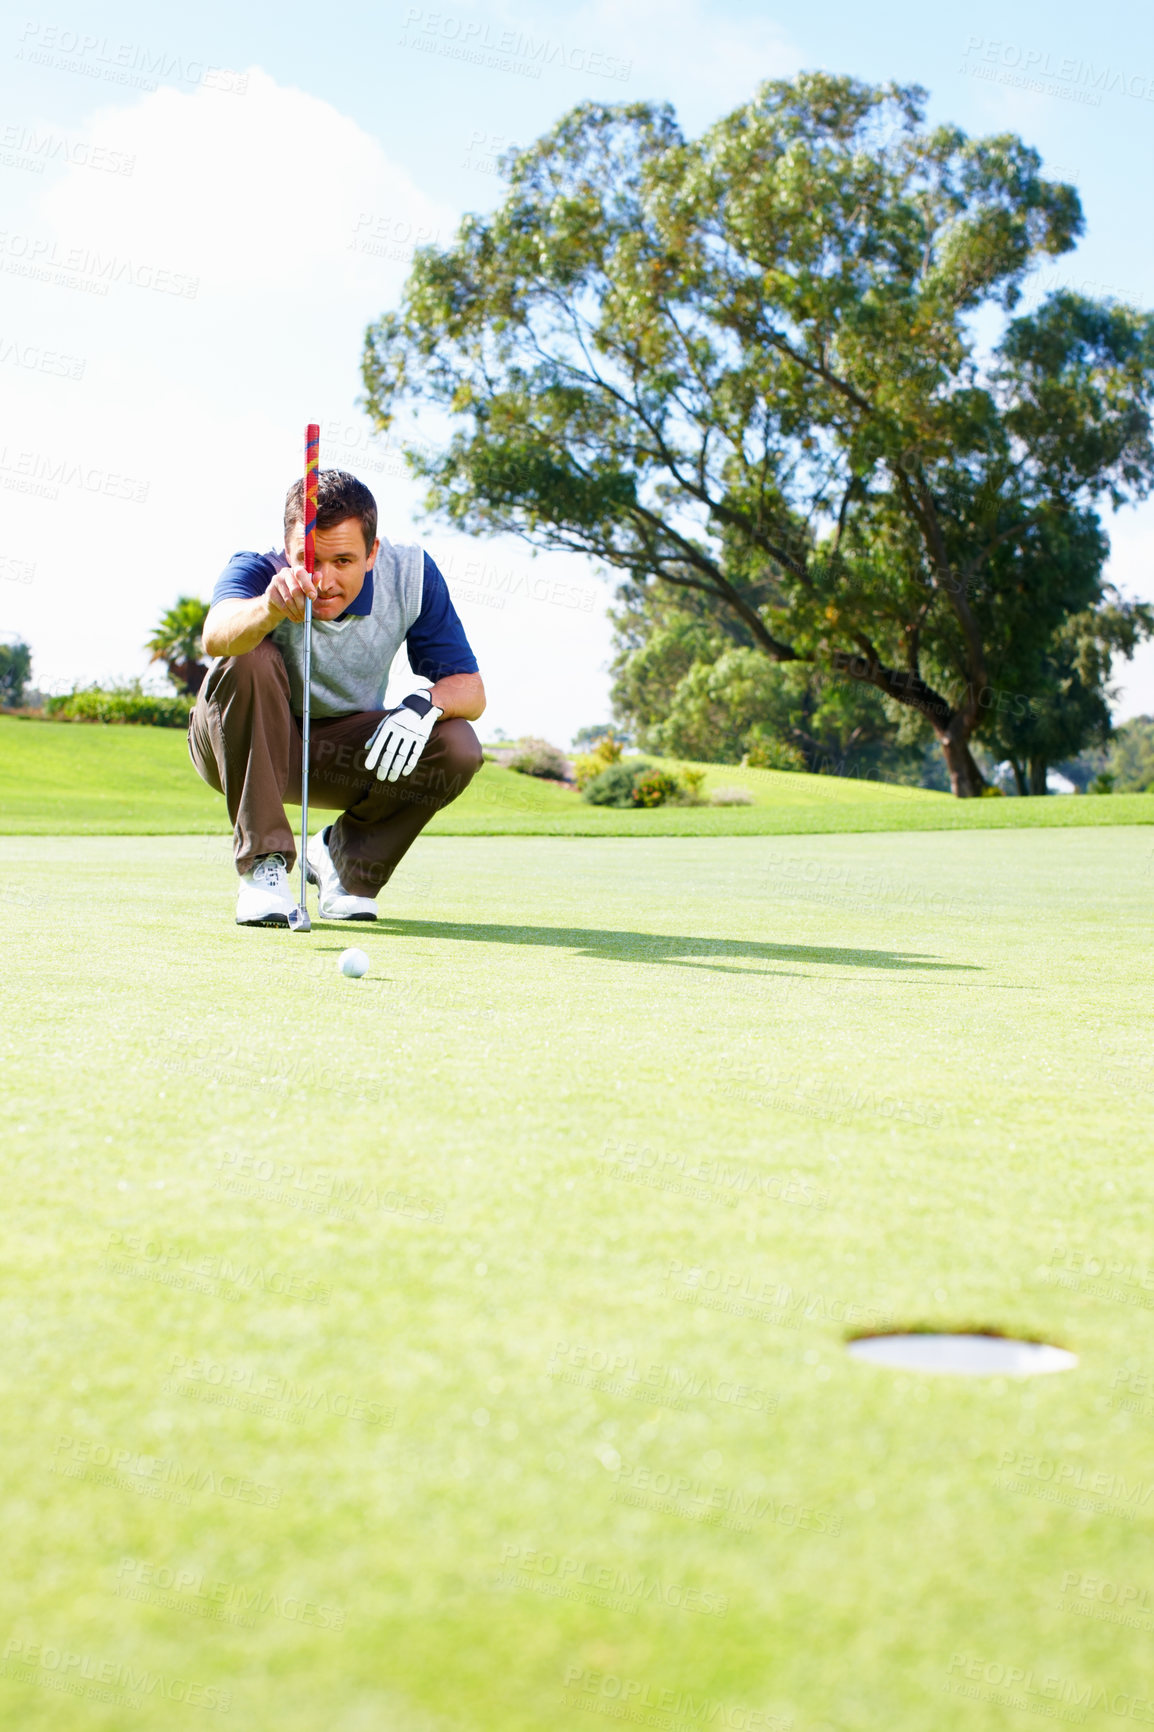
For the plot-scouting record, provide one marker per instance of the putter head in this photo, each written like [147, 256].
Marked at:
[299, 920]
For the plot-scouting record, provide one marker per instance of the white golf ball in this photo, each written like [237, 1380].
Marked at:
[354, 963]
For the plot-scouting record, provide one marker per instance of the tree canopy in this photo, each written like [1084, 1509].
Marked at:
[691, 688]
[1131, 761]
[749, 366]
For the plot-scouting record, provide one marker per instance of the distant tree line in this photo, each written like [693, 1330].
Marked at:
[176, 642]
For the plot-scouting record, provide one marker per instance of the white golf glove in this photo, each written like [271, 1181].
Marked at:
[400, 739]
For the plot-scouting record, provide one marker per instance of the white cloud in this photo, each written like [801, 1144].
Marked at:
[289, 229]
[274, 192]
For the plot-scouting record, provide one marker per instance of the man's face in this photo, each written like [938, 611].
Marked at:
[341, 564]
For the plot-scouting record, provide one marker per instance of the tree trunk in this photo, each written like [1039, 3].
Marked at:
[187, 676]
[966, 780]
[1038, 776]
[1020, 778]
[953, 727]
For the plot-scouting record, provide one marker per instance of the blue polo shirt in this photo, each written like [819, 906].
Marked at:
[436, 643]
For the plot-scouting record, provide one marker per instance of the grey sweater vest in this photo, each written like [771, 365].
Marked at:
[351, 657]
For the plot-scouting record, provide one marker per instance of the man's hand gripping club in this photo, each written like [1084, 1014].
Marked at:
[401, 737]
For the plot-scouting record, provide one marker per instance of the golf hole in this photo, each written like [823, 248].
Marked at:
[963, 1355]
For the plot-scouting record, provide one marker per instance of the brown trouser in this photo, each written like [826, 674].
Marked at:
[246, 743]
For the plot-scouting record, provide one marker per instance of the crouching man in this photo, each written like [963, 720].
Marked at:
[384, 771]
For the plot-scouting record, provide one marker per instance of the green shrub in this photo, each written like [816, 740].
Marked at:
[614, 786]
[639, 783]
[533, 757]
[655, 788]
[589, 765]
[120, 704]
[692, 782]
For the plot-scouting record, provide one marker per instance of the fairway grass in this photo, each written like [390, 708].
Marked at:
[59, 778]
[463, 1347]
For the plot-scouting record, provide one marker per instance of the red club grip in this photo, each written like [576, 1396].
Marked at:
[312, 458]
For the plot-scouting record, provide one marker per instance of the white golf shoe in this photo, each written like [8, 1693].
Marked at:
[264, 897]
[334, 901]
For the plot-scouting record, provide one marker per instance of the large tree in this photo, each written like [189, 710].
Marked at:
[752, 365]
[1068, 706]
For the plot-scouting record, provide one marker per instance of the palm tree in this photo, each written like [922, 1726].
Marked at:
[176, 643]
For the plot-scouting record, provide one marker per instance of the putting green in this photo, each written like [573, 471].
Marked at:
[464, 1346]
[59, 778]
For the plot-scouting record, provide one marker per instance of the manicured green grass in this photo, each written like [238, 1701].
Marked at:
[476, 1330]
[62, 779]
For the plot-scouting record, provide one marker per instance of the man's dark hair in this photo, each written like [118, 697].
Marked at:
[339, 495]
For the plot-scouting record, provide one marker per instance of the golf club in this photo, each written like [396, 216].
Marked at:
[299, 918]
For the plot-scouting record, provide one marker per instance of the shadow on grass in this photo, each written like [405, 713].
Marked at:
[659, 947]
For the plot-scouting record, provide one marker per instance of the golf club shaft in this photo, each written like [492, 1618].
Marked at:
[309, 513]
[305, 751]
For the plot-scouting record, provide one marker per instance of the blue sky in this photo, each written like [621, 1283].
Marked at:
[260, 180]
